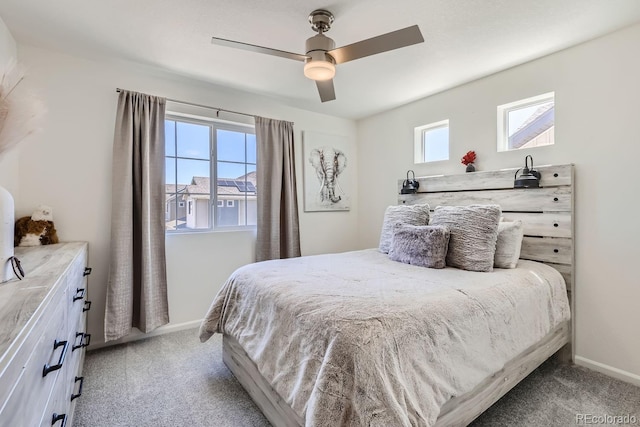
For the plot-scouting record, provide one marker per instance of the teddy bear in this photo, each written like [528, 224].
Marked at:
[36, 230]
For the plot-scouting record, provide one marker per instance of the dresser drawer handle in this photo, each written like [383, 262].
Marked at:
[87, 306]
[87, 271]
[79, 294]
[74, 396]
[58, 417]
[56, 344]
[82, 344]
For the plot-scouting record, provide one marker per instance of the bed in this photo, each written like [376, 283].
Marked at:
[358, 339]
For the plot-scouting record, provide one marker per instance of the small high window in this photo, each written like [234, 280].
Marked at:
[527, 123]
[431, 142]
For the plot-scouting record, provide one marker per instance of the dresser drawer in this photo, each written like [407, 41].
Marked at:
[32, 390]
[22, 349]
[76, 388]
[78, 335]
[78, 339]
[78, 290]
[57, 408]
[35, 304]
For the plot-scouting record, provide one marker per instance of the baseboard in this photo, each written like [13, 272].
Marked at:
[136, 335]
[608, 370]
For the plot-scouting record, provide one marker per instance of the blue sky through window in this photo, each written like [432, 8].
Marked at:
[436, 144]
[191, 140]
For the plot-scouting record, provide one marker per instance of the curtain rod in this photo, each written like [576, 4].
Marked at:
[202, 106]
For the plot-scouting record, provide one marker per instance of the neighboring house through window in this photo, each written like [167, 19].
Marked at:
[210, 166]
[527, 123]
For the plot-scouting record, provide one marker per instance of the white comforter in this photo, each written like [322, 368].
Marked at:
[357, 339]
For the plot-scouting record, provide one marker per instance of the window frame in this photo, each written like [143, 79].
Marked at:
[419, 143]
[214, 124]
[503, 118]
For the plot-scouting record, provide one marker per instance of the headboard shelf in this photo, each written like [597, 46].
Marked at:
[552, 176]
[546, 212]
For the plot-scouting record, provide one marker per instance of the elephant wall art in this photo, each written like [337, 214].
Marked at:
[327, 191]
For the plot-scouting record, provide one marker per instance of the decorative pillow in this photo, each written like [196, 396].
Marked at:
[422, 245]
[508, 245]
[401, 214]
[474, 232]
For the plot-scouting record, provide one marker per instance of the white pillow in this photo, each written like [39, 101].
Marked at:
[508, 245]
[401, 214]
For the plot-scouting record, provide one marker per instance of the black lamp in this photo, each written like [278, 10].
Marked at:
[410, 186]
[529, 178]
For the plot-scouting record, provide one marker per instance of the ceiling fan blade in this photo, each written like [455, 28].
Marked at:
[384, 43]
[259, 49]
[325, 89]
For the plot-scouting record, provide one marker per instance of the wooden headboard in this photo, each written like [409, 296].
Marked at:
[546, 212]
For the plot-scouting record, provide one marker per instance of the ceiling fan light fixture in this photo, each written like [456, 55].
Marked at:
[319, 70]
[321, 54]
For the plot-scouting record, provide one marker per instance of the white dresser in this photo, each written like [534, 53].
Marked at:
[43, 336]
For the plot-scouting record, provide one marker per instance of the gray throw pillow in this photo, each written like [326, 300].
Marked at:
[423, 245]
[401, 214]
[474, 232]
[508, 245]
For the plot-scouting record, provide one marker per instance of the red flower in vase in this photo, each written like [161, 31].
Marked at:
[470, 157]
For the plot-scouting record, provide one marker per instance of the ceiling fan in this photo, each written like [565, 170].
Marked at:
[322, 54]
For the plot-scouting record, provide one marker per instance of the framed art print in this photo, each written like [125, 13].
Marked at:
[326, 172]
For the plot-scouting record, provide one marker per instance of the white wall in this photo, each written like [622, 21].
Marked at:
[68, 166]
[597, 89]
[8, 160]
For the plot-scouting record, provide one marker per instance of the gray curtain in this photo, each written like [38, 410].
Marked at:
[278, 229]
[137, 286]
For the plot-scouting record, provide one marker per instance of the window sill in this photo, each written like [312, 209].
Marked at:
[250, 229]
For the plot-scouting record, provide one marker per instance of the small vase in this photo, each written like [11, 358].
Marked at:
[471, 167]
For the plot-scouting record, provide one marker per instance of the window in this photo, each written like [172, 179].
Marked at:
[527, 123]
[208, 162]
[431, 142]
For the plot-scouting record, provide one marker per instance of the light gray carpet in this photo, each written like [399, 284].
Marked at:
[169, 380]
[174, 380]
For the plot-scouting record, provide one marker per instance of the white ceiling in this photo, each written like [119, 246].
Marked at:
[464, 40]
